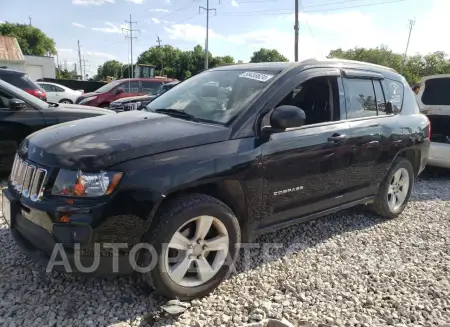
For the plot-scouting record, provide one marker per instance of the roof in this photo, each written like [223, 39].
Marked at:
[10, 49]
[281, 66]
[10, 71]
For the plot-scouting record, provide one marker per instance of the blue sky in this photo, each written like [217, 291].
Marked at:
[238, 28]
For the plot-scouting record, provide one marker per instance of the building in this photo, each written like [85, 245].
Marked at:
[36, 67]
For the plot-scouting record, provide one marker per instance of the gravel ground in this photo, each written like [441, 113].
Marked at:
[352, 269]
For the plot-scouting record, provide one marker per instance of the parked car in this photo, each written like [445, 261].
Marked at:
[121, 88]
[139, 102]
[200, 170]
[433, 98]
[59, 93]
[24, 82]
[22, 114]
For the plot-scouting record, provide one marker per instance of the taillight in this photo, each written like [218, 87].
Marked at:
[37, 93]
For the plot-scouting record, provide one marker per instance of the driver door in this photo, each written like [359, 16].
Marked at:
[306, 169]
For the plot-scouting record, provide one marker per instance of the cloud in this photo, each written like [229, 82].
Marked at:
[100, 55]
[91, 2]
[234, 3]
[64, 50]
[158, 10]
[155, 20]
[138, 2]
[78, 25]
[188, 32]
[110, 29]
[169, 2]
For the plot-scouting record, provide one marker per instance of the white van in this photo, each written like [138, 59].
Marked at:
[434, 101]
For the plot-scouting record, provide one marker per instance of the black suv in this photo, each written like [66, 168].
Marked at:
[23, 81]
[226, 155]
[22, 114]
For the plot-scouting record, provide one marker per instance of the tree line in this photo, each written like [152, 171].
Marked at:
[176, 63]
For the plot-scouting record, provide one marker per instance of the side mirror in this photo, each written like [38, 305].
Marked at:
[118, 91]
[287, 117]
[16, 104]
[389, 108]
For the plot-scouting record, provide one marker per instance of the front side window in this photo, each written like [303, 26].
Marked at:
[360, 98]
[436, 92]
[217, 95]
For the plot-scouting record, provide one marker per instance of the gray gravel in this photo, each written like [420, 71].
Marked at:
[350, 269]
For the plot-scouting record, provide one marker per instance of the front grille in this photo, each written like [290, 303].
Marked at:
[28, 179]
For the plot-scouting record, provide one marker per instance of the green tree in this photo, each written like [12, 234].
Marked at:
[412, 67]
[32, 40]
[65, 74]
[111, 68]
[267, 55]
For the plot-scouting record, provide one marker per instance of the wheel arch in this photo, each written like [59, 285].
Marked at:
[413, 156]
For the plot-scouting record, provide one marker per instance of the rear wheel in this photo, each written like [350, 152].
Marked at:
[195, 239]
[66, 101]
[395, 190]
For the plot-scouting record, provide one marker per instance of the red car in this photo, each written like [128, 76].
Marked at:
[22, 81]
[121, 88]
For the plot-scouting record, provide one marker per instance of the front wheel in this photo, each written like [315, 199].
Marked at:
[66, 101]
[395, 190]
[195, 239]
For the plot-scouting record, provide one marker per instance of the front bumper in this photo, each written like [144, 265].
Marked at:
[72, 248]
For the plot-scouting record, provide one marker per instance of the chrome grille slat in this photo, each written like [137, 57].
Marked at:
[28, 179]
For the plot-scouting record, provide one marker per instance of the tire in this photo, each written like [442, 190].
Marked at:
[8, 150]
[66, 101]
[383, 202]
[171, 219]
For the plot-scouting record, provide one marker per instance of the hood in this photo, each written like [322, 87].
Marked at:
[89, 94]
[136, 98]
[100, 142]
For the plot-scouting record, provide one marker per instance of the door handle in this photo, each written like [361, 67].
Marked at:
[336, 138]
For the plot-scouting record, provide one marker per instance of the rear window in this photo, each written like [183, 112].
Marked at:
[20, 81]
[437, 92]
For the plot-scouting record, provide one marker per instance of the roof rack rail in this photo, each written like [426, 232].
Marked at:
[365, 62]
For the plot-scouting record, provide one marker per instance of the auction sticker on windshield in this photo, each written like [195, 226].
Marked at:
[256, 76]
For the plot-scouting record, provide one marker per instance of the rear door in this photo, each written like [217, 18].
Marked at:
[375, 135]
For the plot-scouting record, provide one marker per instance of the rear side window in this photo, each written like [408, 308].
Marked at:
[130, 87]
[394, 94]
[437, 92]
[360, 98]
[48, 87]
[59, 89]
[20, 81]
[150, 86]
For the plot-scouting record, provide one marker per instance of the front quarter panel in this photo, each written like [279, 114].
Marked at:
[232, 161]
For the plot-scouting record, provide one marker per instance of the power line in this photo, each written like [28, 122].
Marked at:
[161, 55]
[269, 12]
[131, 30]
[207, 9]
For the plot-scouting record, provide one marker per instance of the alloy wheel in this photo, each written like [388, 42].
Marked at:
[398, 189]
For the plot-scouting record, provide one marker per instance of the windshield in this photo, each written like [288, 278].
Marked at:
[217, 95]
[108, 87]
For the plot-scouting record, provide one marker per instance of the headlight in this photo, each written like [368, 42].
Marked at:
[88, 99]
[84, 184]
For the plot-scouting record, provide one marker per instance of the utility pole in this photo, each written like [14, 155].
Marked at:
[79, 58]
[161, 54]
[296, 30]
[29, 19]
[83, 71]
[411, 24]
[131, 30]
[207, 9]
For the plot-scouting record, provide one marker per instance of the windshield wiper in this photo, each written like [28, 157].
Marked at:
[176, 113]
